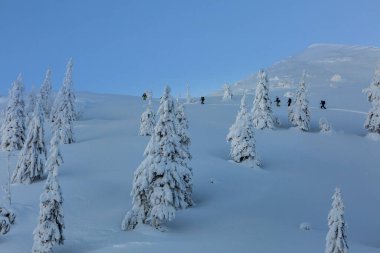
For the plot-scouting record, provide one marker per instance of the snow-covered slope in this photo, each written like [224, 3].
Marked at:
[238, 209]
[325, 64]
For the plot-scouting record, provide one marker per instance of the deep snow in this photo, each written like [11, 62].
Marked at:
[238, 209]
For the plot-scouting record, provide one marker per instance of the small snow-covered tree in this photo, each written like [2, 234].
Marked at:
[372, 122]
[49, 230]
[227, 92]
[13, 128]
[30, 164]
[299, 113]
[46, 94]
[147, 120]
[188, 96]
[6, 219]
[65, 100]
[182, 129]
[31, 104]
[336, 239]
[241, 136]
[158, 186]
[262, 106]
[325, 126]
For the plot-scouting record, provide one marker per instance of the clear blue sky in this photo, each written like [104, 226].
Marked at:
[128, 46]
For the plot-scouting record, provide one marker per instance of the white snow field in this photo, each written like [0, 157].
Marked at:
[238, 209]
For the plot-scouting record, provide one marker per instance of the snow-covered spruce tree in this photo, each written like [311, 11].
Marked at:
[46, 94]
[30, 104]
[241, 136]
[49, 230]
[147, 120]
[13, 128]
[336, 239]
[65, 100]
[299, 113]
[262, 106]
[188, 96]
[158, 186]
[372, 122]
[325, 126]
[63, 113]
[182, 129]
[6, 219]
[227, 92]
[30, 164]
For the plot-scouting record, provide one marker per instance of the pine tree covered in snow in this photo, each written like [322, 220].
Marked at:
[336, 239]
[158, 187]
[262, 106]
[188, 96]
[6, 219]
[31, 104]
[65, 100]
[13, 128]
[46, 94]
[147, 120]
[30, 164]
[241, 136]
[63, 113]
[372, 122]
[49, 230]
[299, 113]
[185, 141]
[325, 126]
[227, 93]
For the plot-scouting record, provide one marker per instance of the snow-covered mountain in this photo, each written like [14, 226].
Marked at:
[326, 65]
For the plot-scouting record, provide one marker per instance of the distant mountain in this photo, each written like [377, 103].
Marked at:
[325, 65]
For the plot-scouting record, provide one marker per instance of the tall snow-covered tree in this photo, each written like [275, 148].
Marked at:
[372, 123]
[158, 186]
[262, 106]
[241, 136]
[182, 129]
[46, 94]
[336, 239]
[147, 120]
[49, 230]
[299, 113]
[63, 113]
[227, 92]
[65, 100]
[13, 128]
[30, 164]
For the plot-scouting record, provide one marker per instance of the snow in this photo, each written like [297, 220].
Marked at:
[237, 208]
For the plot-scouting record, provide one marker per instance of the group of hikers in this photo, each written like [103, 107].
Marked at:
[278, 101]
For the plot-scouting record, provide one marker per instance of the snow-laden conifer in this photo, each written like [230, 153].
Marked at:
[147, 120]
[63, 113]
[30, 164]
[372, 123]
[46, 94]
[325, 126]
[13, 128]
[188, 95]
[299, 113]
[262, 106]
[49, 230]
[65, 100]
[30, 104]
[182, 130]
[336, 239]
[158, 186]
[6, 219]
[241, 136]
[227, 92]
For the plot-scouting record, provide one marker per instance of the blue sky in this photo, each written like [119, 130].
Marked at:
[128, 46]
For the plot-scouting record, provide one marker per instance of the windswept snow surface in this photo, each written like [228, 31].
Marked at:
[238, 209]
